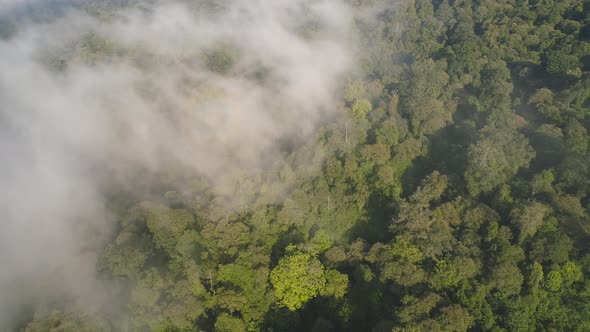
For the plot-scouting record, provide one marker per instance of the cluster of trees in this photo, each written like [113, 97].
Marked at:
[453, 195]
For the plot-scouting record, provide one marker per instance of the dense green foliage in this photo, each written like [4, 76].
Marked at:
[452, 196]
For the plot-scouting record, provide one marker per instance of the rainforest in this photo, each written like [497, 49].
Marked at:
[294, 165]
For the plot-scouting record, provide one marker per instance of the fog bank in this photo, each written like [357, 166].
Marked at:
[86, 102]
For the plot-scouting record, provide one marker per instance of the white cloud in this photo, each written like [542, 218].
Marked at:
[63, 135]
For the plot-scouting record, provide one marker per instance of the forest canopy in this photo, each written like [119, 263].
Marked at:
[441, 183]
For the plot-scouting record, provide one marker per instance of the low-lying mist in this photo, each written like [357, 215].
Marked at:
[87, 102]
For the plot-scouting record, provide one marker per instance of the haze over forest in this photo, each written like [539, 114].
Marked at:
[294, 165]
